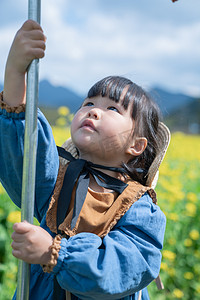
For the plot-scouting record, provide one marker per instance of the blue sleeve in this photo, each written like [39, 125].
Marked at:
[12, 127]
[123, 262]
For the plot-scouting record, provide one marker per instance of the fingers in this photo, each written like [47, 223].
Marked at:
[36, 50]
[31, 243]
[35, 35]
[16, 245]
[22, 227]
[17, 237]
[35, 30]
[28, 44]
[17, 253]
[21, 239]
[31, 25]
[30, 31]
[32, 34]
[32, 42]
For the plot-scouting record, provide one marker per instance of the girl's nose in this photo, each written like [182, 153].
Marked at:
[94, 113]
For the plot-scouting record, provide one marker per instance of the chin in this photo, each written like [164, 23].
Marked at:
[84, 144]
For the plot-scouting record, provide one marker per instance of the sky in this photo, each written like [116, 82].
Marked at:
[152, 42]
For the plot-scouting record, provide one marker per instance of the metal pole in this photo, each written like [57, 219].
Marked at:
[30, 150]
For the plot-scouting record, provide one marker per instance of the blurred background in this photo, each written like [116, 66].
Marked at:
[155, 43]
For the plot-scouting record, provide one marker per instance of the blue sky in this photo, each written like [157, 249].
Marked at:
[152, 42]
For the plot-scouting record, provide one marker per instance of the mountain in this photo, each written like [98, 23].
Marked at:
[169, 102]
[180, 111]
[186, 118]
[55, 96]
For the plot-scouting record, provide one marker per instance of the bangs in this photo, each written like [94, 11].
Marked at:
[118, 88]
[113, 87]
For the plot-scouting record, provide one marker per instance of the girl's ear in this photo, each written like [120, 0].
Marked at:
[138, 146]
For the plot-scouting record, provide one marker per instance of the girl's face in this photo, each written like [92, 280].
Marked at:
[102, 131]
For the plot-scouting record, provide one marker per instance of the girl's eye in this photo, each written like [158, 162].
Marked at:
[113, 108]
[88, 104]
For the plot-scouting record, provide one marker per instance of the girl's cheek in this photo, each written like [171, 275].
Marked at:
[76, 122]
[73, 125]
[76, 119]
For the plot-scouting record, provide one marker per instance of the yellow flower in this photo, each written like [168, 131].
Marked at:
[61, 121]
[192, 197]
[11, 275]
[171, 272]
[63, 111]
[191, 209]
[14, 217]
[169, 255]
[188, 275]
[173, 217]
[172, 241]
[188, 242]
[198, 288]
[61, 134]
[194, 234]
[163, 266]
[178, 293]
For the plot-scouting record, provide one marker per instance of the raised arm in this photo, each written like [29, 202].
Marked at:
[29, 43]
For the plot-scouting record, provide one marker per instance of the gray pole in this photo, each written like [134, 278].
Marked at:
[30, 149]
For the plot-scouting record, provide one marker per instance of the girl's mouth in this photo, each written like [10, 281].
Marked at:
[88, 124]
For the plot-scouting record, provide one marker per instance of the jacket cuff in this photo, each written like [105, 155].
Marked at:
[10, 109]
[55, 248]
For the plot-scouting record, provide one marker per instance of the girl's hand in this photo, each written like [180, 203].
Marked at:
[28, 44]
[31, 243]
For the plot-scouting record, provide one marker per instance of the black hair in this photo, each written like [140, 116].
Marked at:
[144, 112]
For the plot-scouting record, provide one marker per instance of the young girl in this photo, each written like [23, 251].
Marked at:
[100, 232]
